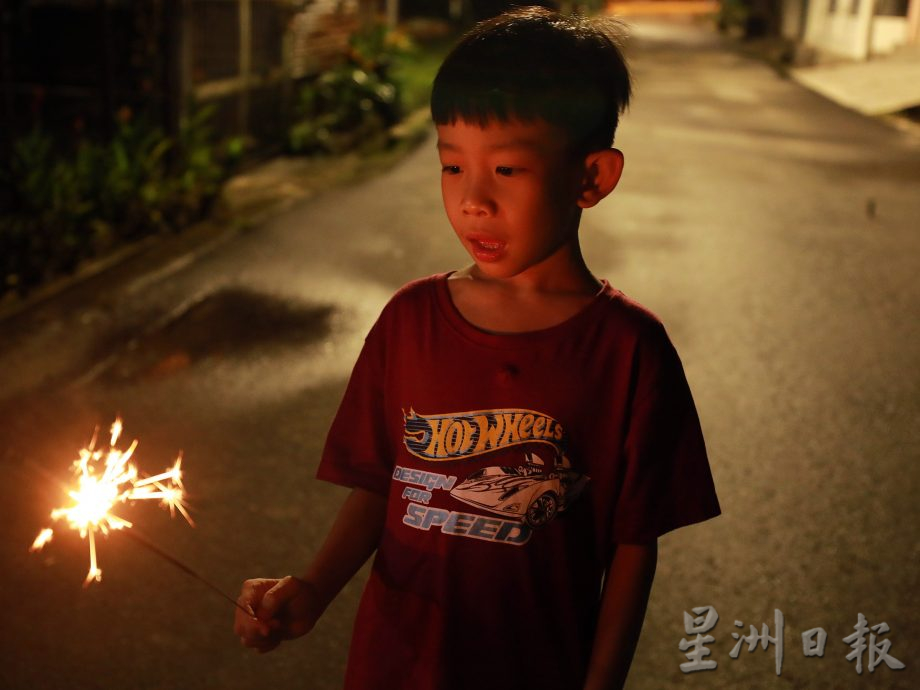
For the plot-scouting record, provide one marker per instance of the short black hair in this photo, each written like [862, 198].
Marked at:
[532, 63]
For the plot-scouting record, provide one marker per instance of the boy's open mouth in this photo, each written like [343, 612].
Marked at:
[486, 249]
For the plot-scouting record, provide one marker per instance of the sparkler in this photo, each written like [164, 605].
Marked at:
[108, 478]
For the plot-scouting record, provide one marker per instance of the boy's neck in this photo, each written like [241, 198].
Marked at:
[564, 273]
[543, 296]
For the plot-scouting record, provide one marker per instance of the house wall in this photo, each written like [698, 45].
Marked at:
[852, 30]
[887, 34]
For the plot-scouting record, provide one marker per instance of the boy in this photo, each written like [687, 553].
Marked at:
[518, 433]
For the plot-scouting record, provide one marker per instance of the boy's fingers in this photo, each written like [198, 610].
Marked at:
[252, 594]
[260, 644]
[267, 598]
[247, 626]
[269, 646]
[298, 628]
[254, 590]
[282, 592]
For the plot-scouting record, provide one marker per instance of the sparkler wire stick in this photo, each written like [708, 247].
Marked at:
[143, 541]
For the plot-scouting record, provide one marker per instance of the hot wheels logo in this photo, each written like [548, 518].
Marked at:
[465, 434]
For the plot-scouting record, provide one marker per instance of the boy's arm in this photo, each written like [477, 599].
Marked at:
[289, 607]
[354, 536]
[626, 591]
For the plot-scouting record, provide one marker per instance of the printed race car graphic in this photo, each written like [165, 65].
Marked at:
[528, 493]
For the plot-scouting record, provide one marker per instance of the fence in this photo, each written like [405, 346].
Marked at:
[71, 65]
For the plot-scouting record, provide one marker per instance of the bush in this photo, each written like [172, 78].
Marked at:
[353, 104]
[733, 16]
[62, 208]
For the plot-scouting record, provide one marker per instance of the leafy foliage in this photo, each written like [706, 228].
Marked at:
[734, 16]
[63, 203]
[353, 104]
[62, 208]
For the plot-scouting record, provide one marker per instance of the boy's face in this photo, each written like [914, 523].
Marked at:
[510, 190]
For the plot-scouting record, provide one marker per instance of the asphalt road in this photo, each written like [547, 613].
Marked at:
[774, 233]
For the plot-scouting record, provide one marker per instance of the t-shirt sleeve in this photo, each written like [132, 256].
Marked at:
[667, 482]
[358, 453]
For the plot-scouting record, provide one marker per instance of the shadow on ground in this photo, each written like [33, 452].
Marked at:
[229, 323]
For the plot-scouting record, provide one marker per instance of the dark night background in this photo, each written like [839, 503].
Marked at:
[773, 231]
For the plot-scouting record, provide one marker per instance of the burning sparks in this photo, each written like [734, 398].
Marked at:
[43, 538]
[107, 478]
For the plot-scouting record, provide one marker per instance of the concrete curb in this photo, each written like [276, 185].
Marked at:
[770, 53]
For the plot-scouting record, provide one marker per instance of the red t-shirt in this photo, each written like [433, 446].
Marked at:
[512, 464]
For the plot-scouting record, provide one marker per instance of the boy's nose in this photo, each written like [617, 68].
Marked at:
[477, 202]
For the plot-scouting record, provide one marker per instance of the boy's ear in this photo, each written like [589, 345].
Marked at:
[602, 172]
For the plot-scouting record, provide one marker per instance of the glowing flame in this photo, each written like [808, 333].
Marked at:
[43, 538]
[105, 479]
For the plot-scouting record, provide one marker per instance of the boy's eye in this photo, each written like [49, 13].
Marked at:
[504, 170]
[451, 169]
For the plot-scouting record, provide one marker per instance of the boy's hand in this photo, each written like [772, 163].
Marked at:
[288, 608]
[284, 609]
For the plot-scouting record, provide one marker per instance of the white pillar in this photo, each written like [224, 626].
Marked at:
[913, 21]
[865, 17]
